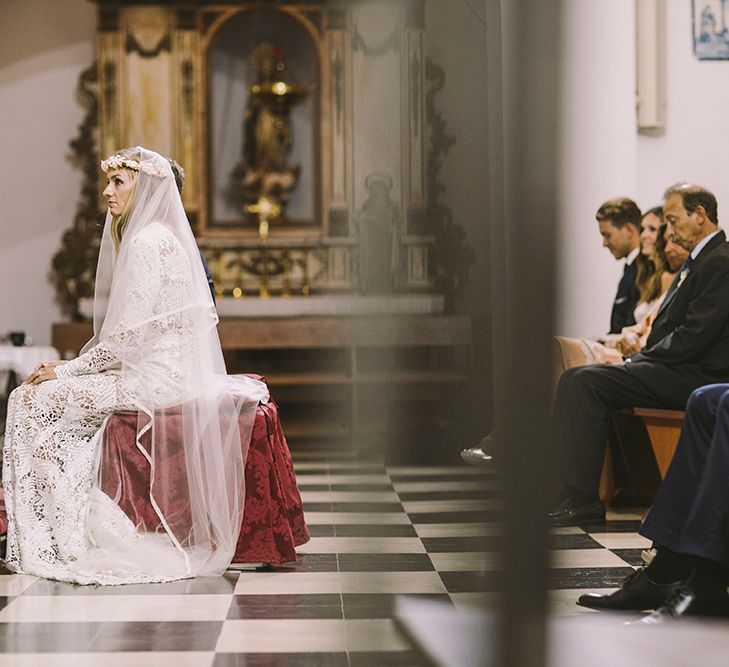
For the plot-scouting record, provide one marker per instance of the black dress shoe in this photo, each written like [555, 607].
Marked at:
[685, 602]
[638, 592]
[568, 514]
[565, 500]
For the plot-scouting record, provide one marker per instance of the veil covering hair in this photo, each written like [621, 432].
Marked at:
[155, 326]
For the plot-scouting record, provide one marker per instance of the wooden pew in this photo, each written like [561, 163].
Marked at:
[641, 445]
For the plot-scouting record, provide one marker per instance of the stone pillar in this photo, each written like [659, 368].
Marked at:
[148, 102]
[186, 77]
[412, 65]
[109, 60]
[338, 185]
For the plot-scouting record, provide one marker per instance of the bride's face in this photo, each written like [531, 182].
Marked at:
[120, 183]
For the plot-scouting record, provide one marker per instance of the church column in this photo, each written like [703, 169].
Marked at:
[109, 61]
[338, 186]
[186, 81]
[412, 64]
[412, 67]
[147, 78]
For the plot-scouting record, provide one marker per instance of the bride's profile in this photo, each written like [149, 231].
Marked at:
[155, 350]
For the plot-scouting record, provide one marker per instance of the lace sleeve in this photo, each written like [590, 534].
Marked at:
[97, 359]
[123, 343]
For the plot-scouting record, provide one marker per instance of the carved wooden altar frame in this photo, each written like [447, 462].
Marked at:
[192, 32]
[208, 31]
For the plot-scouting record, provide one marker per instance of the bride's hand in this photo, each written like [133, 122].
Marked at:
[43, 371]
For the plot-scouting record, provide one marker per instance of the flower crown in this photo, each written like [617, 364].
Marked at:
[147, 166]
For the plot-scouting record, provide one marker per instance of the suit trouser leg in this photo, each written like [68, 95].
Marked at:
[586, 398]
[690, 514]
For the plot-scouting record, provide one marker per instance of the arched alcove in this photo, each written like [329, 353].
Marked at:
[229, 75]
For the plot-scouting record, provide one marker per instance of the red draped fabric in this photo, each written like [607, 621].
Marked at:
[273, 520]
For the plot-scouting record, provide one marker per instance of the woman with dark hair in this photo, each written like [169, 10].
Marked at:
[653, 274]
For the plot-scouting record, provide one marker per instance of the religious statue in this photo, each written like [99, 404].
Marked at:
[379, 237]
[265, 176]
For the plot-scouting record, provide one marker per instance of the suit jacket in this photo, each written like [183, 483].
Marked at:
[691, 331]
[626, 299]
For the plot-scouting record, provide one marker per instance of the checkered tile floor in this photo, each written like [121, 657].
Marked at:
[377, 532]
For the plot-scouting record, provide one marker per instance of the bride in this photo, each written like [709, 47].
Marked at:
[155, 350]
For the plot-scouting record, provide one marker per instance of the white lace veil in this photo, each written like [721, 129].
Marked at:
[154, 309]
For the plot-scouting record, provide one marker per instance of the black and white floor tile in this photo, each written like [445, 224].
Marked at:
[378, 532]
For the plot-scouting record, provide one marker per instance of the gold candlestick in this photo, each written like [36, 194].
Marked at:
[267, 211]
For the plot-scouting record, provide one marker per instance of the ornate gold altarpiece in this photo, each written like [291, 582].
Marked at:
[362, 230]
[157, 77]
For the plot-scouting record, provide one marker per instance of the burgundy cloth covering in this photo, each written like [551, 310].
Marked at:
[273, 518]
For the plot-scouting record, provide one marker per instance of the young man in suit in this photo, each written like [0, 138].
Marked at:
[619, 223]
[688, 347]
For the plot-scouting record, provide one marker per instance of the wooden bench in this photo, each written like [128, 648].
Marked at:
[642, 443]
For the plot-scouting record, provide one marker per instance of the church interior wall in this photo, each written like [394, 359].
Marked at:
[598, 155]
[695, 145]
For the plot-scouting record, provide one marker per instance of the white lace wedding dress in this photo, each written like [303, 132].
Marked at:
[61, 525]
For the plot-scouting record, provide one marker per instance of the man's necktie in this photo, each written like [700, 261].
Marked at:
[680, 277]
[685, 266]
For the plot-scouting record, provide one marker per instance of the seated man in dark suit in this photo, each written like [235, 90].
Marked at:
[688, 347]
[179, 174]
[688, 523]
[619, 222]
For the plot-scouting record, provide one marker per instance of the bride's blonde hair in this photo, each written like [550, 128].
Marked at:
[127, 159]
